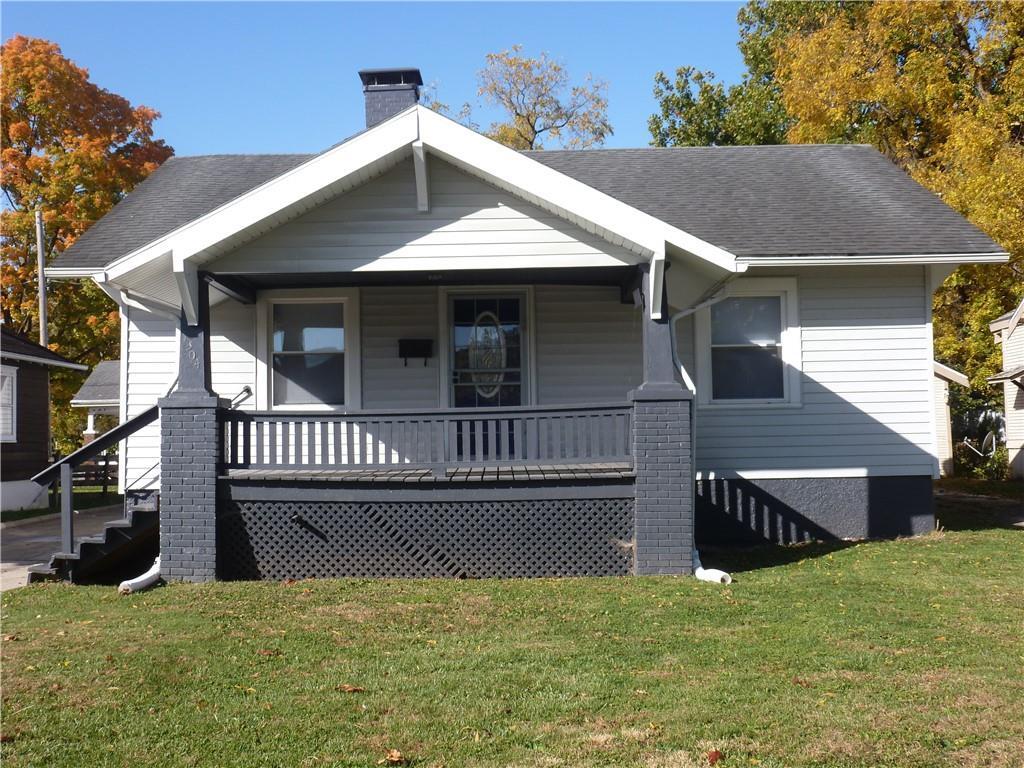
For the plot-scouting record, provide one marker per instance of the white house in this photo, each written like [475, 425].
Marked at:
[469, 360]
[1010, 337]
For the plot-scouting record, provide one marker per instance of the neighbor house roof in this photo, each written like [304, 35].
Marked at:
[760, 202]
[16, 347]
[103, 387]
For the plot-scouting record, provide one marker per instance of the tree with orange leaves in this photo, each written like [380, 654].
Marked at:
[72, 150]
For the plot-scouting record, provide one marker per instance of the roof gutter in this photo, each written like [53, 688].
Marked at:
[995, 257]
[44, 361]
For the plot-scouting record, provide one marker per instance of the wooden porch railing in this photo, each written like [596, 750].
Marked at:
[434, 439]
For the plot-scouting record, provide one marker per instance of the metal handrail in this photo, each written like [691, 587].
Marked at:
[65, 467]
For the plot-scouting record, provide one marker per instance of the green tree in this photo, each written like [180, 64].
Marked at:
[72, 150]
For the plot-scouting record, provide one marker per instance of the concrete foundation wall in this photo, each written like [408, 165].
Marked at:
[740, 511]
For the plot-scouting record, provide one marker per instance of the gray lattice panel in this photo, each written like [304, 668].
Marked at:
[551, 537]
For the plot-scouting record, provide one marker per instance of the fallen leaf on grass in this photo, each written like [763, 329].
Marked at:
[268, 652]
[393, 757]
[714, 756]
[6, 738]
[802, 683]
[11, 638]
[346, 688]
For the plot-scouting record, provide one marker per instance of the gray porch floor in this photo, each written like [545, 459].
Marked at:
[478, 474]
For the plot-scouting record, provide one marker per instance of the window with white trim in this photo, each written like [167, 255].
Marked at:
[8, 404]
[308, 353]
[750, 346]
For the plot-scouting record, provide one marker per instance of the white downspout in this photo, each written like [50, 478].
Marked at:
[699, 571]
[148, 579]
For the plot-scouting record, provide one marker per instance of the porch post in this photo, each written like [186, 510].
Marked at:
[189, 456]
[662, 452]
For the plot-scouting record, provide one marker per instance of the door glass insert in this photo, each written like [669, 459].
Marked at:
[487, 352]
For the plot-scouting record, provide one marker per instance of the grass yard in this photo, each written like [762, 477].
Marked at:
[904, 653]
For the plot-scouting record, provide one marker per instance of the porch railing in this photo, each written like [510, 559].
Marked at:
[436, 439]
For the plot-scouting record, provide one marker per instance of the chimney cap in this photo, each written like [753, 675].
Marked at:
[391, 77]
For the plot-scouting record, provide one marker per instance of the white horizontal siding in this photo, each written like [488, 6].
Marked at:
[1013, 396]
[867, 399]
[588, 345]
[390, 314]
[470, 225]
[151, 359]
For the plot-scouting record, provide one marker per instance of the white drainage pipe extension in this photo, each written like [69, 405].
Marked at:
[148, 579]
[709, 574]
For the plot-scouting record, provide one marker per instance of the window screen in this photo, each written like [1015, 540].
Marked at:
[746, 349]
[309, 353]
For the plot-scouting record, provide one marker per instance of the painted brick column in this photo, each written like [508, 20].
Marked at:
[663, 456]
[189, 457]
[662, 450]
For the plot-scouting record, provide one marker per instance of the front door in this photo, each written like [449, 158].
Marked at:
[487, 351]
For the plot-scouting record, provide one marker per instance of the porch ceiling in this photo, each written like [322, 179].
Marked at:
[624, 276]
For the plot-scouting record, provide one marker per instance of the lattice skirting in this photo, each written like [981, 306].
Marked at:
[550, 537]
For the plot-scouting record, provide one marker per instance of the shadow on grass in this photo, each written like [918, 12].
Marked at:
[769, 555]
[963, 512]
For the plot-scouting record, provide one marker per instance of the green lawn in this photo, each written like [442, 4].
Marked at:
[904, 653]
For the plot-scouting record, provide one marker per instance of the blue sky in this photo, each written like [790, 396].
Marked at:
[281, 77]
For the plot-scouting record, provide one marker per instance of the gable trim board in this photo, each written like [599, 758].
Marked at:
[364, 156]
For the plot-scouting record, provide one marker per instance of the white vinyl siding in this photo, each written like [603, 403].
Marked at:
[390, 314]
[866, 384]
[588, 345]
[1013, 357]
[151, 360]
[470, 225]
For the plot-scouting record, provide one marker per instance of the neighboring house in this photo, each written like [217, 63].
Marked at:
[100, 395]
[462, 355]
[1010, 336]
[944, 376]
[25, 418]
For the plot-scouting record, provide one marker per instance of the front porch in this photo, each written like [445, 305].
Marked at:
[467, 492]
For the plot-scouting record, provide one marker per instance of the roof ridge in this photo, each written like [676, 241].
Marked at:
[241, 154]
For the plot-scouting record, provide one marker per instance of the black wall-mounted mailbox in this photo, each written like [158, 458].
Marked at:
[415, 348]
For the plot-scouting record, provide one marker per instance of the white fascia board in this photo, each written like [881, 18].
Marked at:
[94, 403]
[855, 260]
[71, 273]
[280, 192]
[416, 127]
[463, 146]
[44, 361]
[657, 278]
[950, 374]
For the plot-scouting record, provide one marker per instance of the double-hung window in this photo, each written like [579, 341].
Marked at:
[750, 346]
[310, 350]
[8, 404]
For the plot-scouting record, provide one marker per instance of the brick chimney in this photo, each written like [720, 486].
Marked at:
[389, 91]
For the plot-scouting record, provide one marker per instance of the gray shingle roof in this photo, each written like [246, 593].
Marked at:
[180, 190]
[103, 384]
[818, 199]
[822, 200]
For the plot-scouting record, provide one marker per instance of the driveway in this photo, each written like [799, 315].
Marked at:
[33, 541]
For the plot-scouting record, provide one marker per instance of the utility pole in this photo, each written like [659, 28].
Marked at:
[44, 332]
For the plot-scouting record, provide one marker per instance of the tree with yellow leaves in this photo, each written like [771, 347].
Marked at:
[937, 87]
[538, 102]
